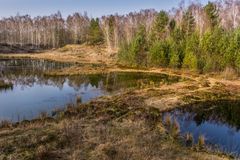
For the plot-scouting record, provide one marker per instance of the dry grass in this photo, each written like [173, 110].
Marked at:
[175, 129]
[201, 141]
[230, 74]
[172, 126]
[120, 127]
[168, 121]
[189, 139]
[128, 126]
[72, 53]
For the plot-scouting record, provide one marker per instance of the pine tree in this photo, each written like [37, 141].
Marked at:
[95, 35]
[174, 55]
[192, 52]
[232, 53]
[213, 46]
[212, 14]
[177, 47]
[159, 53]
[237, 62]
[188, 23]
[190, 61]
[172, 25]
[237, 51]
[159, 26]
[134, 54]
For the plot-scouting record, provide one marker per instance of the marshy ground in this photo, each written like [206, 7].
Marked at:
[126, 125]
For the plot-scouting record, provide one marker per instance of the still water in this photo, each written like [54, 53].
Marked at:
[33, 92]
[218, 122]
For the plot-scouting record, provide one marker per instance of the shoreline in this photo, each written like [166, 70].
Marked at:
[127, 107]
[139, 110]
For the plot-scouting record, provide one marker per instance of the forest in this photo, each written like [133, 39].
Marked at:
[204, 38]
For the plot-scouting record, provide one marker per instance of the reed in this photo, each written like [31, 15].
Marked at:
[175, 128]
[201, 141]
[189, 139]
[168, 120]
[78, 100]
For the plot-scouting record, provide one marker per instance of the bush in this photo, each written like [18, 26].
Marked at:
[190, 61]
[174, 61]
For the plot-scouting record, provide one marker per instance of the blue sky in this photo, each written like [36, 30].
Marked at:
[94, 8]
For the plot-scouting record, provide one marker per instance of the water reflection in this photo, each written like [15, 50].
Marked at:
[34, 92]
[218, 121]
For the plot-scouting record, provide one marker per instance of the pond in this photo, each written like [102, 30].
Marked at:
[218, 122]
[33, 92]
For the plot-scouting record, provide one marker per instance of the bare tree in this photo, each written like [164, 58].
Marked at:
[54, 31]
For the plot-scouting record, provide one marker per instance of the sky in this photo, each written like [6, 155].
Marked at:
[94, 8]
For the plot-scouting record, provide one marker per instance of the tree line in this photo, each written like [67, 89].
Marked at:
[194, 36]
[201, 38]
[54, 31]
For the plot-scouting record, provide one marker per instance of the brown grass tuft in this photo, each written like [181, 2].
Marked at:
[189, 139]
[168, 120]
[78, 100]
[201, 141]
[175, 129]
[230, 74]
